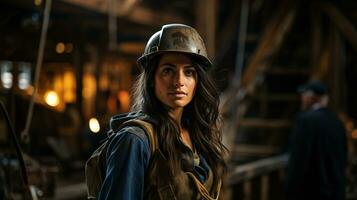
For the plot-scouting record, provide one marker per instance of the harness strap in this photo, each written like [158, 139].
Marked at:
[202, 189]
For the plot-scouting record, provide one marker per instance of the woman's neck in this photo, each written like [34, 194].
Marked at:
[176, 114]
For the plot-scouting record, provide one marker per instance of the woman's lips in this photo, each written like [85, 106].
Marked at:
[179, 94]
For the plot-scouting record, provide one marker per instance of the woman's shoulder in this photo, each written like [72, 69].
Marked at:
[132, 134]
[117, 120]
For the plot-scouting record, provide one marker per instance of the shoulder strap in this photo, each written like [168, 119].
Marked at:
[148, 129]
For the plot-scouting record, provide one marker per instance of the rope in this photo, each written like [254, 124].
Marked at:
[25, 135]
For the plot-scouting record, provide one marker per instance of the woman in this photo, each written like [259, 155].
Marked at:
[177, 97]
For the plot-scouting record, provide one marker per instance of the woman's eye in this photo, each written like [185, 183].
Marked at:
[167, 70]
[190, 72]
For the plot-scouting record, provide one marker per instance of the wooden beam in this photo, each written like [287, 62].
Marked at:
[69, 191]
[206, 15]
[337, 75]
[278, 97]
[274, 33]
[320, 70]
[251, 170]
[272, 38]
[249, 149]
[265, 123]
[331, 68]
[288, 71]
[227, 34]
[132, 12]
[341, 22]
[316, 36]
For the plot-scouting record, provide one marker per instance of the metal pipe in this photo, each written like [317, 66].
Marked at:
[25, 135]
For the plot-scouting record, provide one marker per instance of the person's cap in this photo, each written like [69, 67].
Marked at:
[315, 86]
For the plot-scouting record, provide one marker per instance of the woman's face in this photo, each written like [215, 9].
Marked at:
[175, 80]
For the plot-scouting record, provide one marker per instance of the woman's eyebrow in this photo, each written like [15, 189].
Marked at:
[167, 64]
[173, 65]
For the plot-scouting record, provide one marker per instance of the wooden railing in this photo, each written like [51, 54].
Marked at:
[262, 179]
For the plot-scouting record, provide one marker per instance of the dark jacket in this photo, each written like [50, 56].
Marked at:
[129, 160]
[316, 168]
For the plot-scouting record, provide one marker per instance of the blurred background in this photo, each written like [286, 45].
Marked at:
[84, 62]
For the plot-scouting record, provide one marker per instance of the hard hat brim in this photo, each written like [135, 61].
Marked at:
[144, 60]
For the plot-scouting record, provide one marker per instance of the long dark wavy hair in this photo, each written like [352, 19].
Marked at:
[201, 117]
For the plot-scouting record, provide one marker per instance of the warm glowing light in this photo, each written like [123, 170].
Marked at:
[354, 134]
[51, 98]
[94, 125]
[69, 86]
[124, 99]
[132, 47]
[103, 82]
[349, 125]
[89, 86]
[29, 90]
[37, 2]
[60, 47]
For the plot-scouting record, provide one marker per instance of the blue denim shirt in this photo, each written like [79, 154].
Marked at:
[128, 159]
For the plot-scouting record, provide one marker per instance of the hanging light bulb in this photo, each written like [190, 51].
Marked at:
[37, 2]
[60, 47]
[94, 125]
[51, 98]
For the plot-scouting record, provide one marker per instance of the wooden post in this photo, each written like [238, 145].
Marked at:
[206, 11]
[337, 78]
[341, 22]
[331, 67]
[340, 26]
[316, 36]
[227, 34]
[247, 189]
[264, 187]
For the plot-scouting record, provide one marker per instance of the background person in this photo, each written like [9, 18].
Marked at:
[318, 149]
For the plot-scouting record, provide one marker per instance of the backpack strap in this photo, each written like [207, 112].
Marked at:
[148, 129]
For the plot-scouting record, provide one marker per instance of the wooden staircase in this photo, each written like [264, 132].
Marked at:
[260, 109]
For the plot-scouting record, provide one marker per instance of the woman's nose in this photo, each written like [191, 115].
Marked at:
[179, 79]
